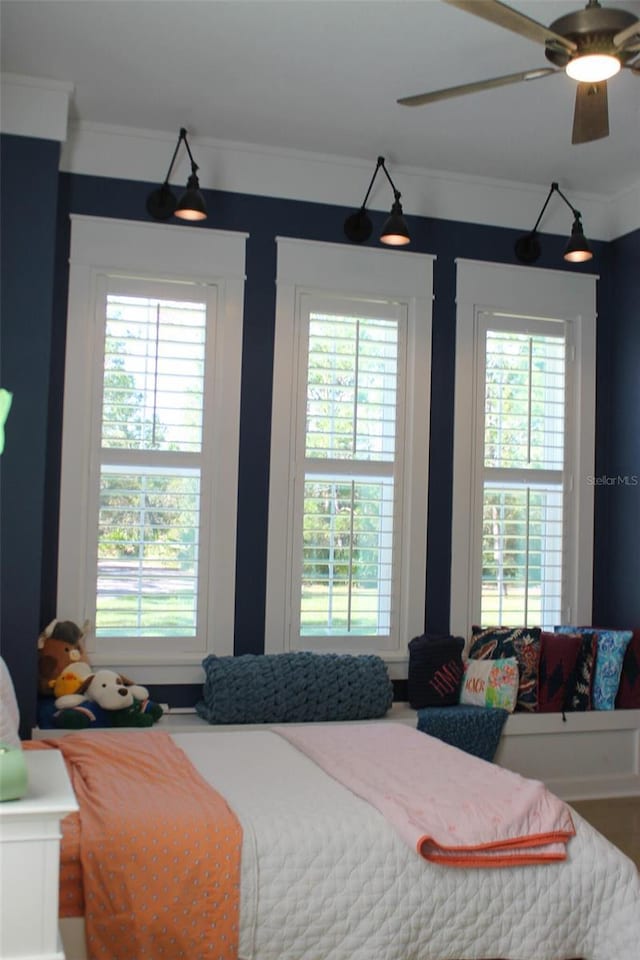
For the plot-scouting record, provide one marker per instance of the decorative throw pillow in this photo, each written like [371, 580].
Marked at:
[559, 654]
[580, 697]
[435, 670]
[629, 690]
[9, 713]
[294, 688]
[491, 683]
[612, 647]
[523, 643]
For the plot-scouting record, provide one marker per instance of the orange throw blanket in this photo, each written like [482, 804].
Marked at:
[159, 849]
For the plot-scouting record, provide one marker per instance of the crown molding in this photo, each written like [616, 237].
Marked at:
[33, 107]
[624, 212]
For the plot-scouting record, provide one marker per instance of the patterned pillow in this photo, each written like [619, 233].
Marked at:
[559, 654]
[581, 695]
[611, 649]
[491, 683]
[523, 643]
[629, 690]
[435, 670]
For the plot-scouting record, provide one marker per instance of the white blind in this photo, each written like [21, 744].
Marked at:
[147, 552]
[524, 400]
[349, 483]
[153, 374]
[522, 553]
[149, 513]
[351, 387]
[347, 556]
[522, 511]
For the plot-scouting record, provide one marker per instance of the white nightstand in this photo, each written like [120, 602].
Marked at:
[30, 860]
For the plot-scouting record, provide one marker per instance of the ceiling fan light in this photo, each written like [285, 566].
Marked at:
[593, 67]
[395, 232]
[191, 205]
[577, 249]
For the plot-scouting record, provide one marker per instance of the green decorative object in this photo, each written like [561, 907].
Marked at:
[13, 773]
[5, 406]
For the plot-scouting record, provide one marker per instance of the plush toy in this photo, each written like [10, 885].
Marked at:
[59, 646]
[71, 678]
[125, 704]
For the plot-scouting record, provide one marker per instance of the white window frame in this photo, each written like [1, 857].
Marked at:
[208, 265]
[324, 269]
[537, 293]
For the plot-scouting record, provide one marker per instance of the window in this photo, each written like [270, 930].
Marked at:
[523, 447]
[347, 542]
[151, 396]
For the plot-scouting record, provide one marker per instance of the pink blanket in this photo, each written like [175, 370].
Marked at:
[451, 807]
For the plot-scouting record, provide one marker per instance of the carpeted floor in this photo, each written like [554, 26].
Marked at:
[617, 819]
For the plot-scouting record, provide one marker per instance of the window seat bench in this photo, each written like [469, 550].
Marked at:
[590, 755]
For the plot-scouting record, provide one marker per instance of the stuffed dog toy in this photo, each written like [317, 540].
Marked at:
[126, 704]
[102, 698]
[110, 690]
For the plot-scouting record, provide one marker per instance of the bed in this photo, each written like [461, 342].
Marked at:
[324, 877]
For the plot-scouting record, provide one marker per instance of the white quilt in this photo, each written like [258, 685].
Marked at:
[325, 878]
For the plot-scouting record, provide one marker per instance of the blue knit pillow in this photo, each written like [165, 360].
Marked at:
[476, 730]
[294, 688]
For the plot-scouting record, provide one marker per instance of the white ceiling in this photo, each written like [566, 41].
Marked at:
[323, 76]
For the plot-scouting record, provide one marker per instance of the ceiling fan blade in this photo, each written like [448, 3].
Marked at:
[421, 98]
[591, 115]
[504, 16]
[629, 38]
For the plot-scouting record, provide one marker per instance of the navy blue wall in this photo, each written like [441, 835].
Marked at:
[29, 192]
[264, 219]
[616, 594]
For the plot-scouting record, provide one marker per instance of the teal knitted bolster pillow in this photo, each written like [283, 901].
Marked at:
[294, 688]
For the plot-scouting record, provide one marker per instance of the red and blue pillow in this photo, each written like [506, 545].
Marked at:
[628, 697]
[611, 647]
[559, 655]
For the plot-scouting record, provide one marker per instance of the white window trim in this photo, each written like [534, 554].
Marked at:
[306, 266]
[525, 291]
[102, 246]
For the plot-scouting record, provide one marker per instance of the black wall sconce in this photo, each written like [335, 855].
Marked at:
[358, 226]
[527, 248]
[162, 204]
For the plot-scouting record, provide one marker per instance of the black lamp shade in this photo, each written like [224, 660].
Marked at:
[395, 232]
[191, 205]
[527, 248]
[161, 203]
[358, 227]
[577, 250]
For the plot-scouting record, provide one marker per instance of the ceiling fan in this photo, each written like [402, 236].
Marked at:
[592, 45]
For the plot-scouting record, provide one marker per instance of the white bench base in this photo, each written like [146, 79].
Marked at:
[590, 755]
